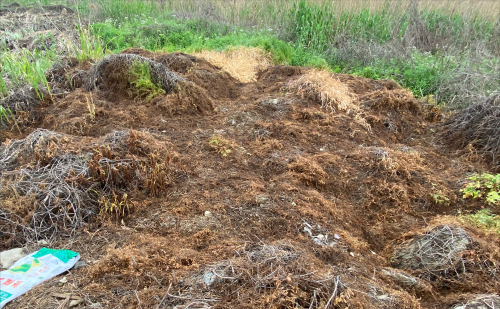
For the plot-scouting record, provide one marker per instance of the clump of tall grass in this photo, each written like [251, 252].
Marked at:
[5, 115]
[26, 68]
[90, 46]
[142, 86]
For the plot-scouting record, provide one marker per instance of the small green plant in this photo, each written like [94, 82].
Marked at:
[221, 145]
[4, 91]
[440, 199]
[117, 205]
[142, 86]
[485, 186]
[483, 219]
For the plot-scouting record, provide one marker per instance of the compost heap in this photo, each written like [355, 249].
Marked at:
[296, 189]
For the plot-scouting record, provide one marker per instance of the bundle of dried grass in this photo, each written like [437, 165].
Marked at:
[476, 127]
[323, 87]
[189, 98]
[114, 69]
[242, 63]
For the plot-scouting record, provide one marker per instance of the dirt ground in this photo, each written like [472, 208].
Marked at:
[243, 195]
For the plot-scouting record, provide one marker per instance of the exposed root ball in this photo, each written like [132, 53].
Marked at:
[277, 276]
[21, 100]
[38, 142]
[113, 70]
[64, 199]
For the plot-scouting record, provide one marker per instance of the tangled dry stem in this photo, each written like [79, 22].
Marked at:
[477, 126]
[276, 275]
[64, 199]
[436, 252]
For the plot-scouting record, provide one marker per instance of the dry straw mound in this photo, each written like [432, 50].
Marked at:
[323, 87]
[242, 63]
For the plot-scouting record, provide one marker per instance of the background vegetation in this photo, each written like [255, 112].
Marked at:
[450, 49]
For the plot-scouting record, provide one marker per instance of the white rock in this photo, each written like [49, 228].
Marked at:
[308, 230]
[79, 264]
[208, 214]
[9, 257]
[209, 278]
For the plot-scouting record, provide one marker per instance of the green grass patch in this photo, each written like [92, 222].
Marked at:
[27, 68]
[483, 219]
[424, 50]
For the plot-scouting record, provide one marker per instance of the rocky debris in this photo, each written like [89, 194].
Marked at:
[320, 236]
[80, 264]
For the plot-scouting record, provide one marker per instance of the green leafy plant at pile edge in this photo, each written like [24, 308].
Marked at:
[142, 86]
[483, 219]
[485, 186]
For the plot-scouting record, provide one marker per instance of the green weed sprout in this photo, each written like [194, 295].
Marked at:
[221, 145]
[484, 220]
[142, 86]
